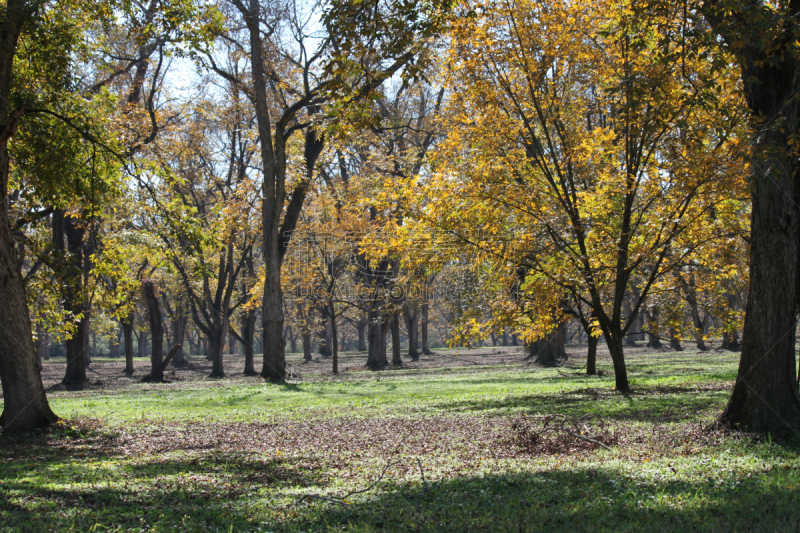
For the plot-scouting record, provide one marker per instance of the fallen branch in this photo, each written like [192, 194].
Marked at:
[428, 487]
[342, 500]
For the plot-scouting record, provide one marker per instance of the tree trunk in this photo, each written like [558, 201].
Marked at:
[40, 345]
[207, 350]
[334, 338]
[652, 326]
[248, 335]
[293, 340]
[361, 327]
[274, 360]
[550, 351]
[765, 397]
[325, 334]
[376, 358]
[306, 345]
[505, 337]
[395, 325]
[412, 323]
[216, 345]
[143, 336]
[178, 335]
[591, 356]
[424, 329]
[127, 334]
[156, 331]
[74, 300]
[730, 341]
[614, 342]
[674, 341]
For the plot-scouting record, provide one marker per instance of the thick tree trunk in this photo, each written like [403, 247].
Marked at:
[274, 360]
[550, 351]
[424, 328]
[395, 325]
[143, 337]
[75, 301]
[765, 397]
[376, 358]
[216, 345]
[25, 404]
[156, 331]
[412, 323]
[127, 334]
[505, 337]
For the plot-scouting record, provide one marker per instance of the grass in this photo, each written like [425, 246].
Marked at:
[447, 447]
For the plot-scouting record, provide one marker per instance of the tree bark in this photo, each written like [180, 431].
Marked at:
[412, 323]
[550, 351]
[216, 345]
[424, 328]
[75, 301]
[361, 327]
[127, 333]
[395, 325]
[306, 337]
[765, 397]
[674, 341]
[248, 335]
[325, 334]
[614, 343]
[591, 356]
[143, 337]
[179, 323]
[376, 358]
[156, 331]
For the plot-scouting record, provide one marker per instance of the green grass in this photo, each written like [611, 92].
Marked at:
[236, 455]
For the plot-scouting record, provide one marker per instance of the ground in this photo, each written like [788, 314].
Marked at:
[464, 440]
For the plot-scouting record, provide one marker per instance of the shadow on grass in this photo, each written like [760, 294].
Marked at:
[642, 405]
[572, 500]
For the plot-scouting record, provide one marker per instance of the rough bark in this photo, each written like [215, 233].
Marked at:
[765, 397]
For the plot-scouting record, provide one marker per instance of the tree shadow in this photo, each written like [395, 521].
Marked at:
[589, 499]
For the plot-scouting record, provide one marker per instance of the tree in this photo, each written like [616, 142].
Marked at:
[763, 39]
[294, 72]
[587, 150]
